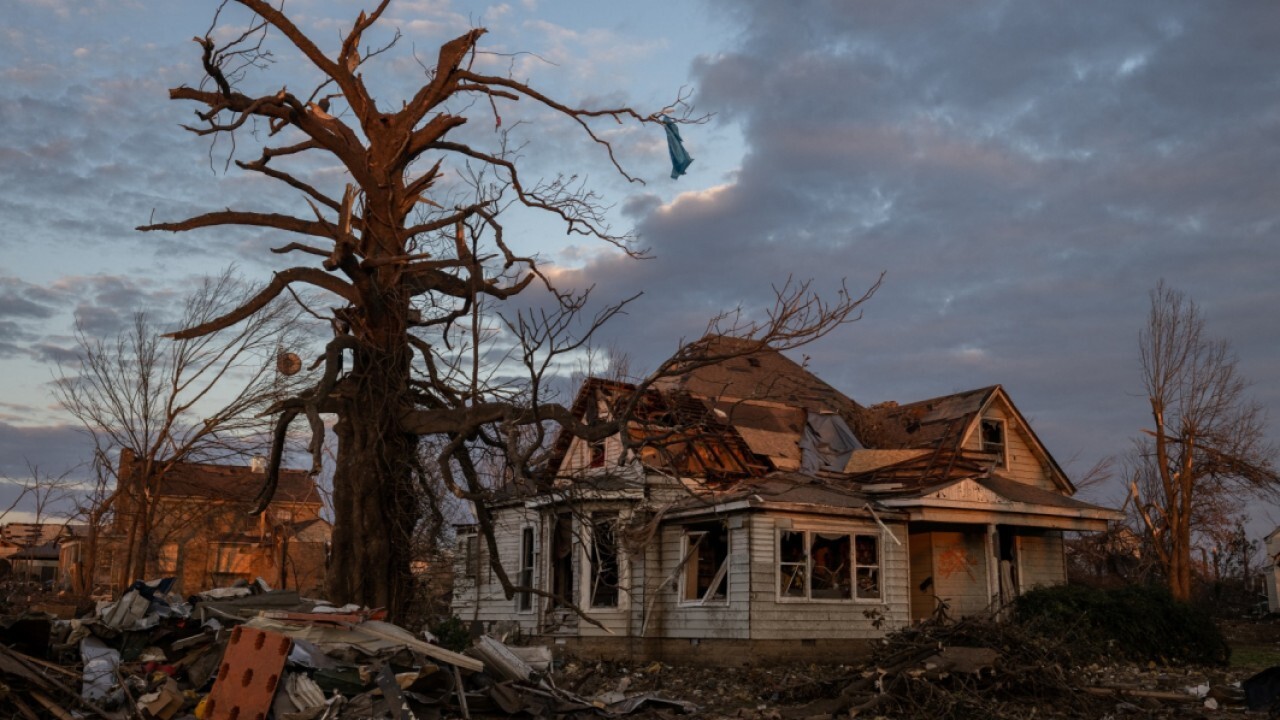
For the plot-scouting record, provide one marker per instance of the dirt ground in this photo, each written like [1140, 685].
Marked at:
[780, 692]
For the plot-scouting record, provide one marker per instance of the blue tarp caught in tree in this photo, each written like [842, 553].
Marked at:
[680, 159]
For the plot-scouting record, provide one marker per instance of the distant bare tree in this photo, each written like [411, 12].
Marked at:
[40, 491]
[410, 242]
[1208, 446]
[198, 399]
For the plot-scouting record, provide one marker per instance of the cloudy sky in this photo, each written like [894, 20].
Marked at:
[1023, 174]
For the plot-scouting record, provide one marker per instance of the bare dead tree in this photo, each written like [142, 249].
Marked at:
[195, 400]
[418, 272]
[41, 491]
[1208, 445]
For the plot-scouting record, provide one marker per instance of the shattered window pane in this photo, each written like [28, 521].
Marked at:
[868, 566]
[604, 560]
[564, 587]
[828, 566]
[706, 575]
[793, 565]
[831, 567]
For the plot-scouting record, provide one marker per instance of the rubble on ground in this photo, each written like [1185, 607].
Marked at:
[252, 653]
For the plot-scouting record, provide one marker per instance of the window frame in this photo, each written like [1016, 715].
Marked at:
[597, 454]
[1004, 439]
[852, 535]
[526, 573]
[469, 549]
[686, 543]
[598, 519]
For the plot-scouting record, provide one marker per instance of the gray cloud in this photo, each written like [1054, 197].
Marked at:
[1024, 172]
[53, 448]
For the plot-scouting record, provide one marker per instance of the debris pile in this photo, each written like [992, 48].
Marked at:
[978, 667]
[253, 653]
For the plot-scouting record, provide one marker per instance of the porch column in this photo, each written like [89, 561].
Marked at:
[993, 566]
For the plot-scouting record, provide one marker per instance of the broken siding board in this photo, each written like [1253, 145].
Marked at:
[772, 619]
[1040, 560]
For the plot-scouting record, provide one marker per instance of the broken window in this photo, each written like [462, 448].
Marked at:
[524, 600]
[470, 561]
[604, 560]
[597, 454]
[793, 565]
[993, 440]
[867, 566]
[828, 566]
[706, 572]
[562, 584]
[830, 554]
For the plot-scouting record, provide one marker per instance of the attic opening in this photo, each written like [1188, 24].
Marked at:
[993, 440]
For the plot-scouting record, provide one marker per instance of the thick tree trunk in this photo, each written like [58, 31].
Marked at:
[373, 491]
[1180, 565]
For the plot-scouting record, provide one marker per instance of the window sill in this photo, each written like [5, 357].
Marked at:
[696, 604]
[830, 601]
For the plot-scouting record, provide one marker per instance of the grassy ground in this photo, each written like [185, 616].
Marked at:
[1255, 644]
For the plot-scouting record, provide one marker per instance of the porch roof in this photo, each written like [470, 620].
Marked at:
[996, 500]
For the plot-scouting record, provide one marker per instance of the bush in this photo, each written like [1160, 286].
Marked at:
[1135, 622]
[452, 633]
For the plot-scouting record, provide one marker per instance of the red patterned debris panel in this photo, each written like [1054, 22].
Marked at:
[247, 679]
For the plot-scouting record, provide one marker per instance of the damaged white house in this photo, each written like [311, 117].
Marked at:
[756, 513]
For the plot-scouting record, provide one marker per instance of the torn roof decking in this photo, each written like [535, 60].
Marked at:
[744, 419]
[764, 375]
[938, 422]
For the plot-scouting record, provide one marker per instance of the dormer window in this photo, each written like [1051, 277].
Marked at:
[993, 440]
[597, 454]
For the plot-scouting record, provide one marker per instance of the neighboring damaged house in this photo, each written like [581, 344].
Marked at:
[759, 509]
[204, 535]
[29, 551]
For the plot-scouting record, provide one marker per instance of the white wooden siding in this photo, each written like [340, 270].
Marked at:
[578, 457]
[790, 620]
[482, 598]
[670, 618]
[1025, 465]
